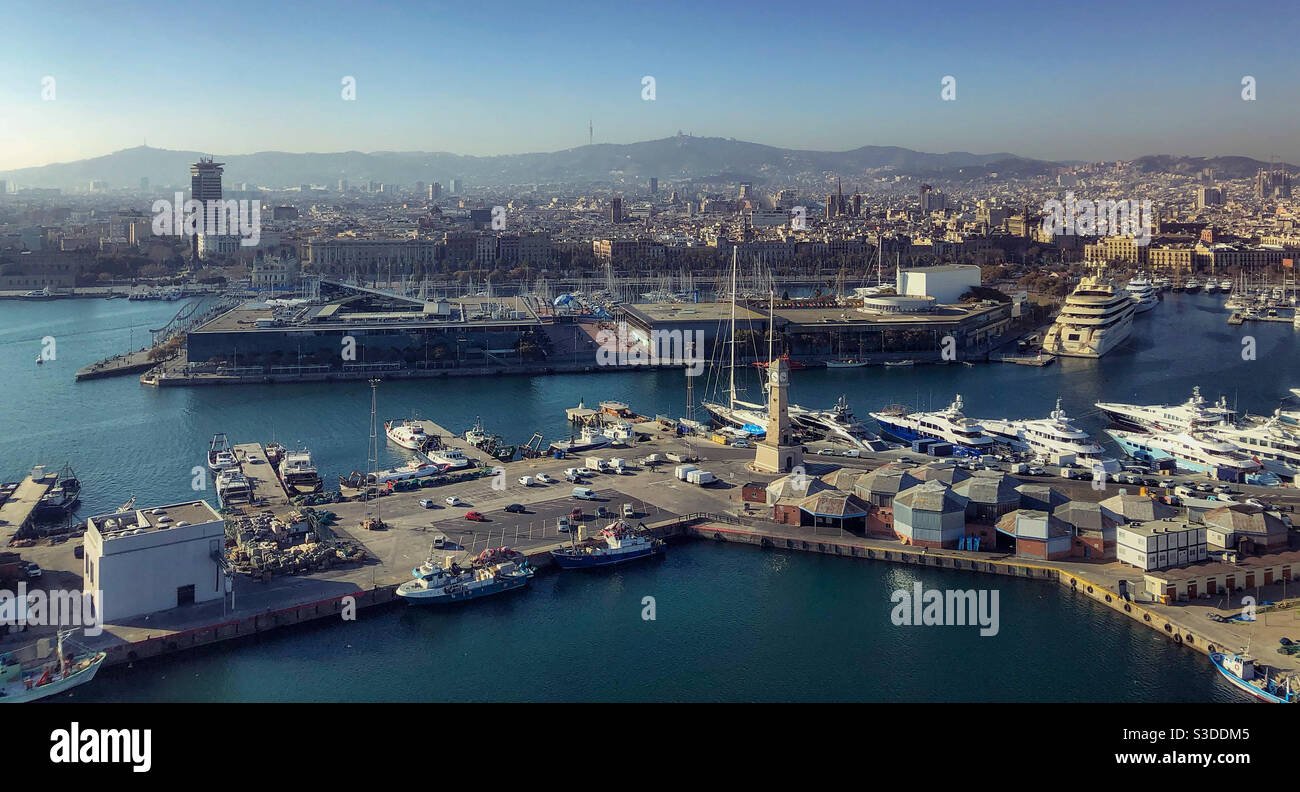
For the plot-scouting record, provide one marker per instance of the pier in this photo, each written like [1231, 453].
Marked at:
[16, 511]
[268, 492]
[119, 366]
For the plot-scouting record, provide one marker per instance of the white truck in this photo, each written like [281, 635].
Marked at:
[682, 470]
[596, 463]
[700, 477]
[618, 465]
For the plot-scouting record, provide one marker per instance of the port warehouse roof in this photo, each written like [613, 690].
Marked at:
[462, 313]
[675, 314]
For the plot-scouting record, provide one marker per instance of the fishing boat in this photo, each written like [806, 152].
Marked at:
[233, 487]
[61, 498]
[619, 542]
[899, 363]
[407, 434]
[298, 472]
[492, 572]
[844, 363]
[589, 437]
[66, 669]
[220, 455]
[274, 453]
[1243, 673]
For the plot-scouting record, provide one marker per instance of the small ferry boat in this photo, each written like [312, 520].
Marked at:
[40, 294]
[845, 363]
[415, 468]
[493, 572]
[220, 455]
[407, 434]
[1242, 672]
[619, 542]
[449, 458]
[63, 671]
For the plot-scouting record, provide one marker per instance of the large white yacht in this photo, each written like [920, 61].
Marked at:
[1053, 436]
[1094, 320]
[837, 424]
[1269, 441]
[1197, 452]
[947, 426]
[1195, 413]
[1143, 293]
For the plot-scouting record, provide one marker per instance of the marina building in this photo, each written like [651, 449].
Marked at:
[1245, 528]
[1161, 544]
[1037, 534]
[930, 515]
[150, 560]
[1216, 579]
[945, 284]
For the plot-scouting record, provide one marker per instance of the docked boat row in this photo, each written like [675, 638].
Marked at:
[950, 425]
[494, 571]
[1054, 439]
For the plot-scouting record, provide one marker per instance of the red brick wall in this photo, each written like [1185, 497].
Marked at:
[786, 515]
[880, 522]
[754, 494]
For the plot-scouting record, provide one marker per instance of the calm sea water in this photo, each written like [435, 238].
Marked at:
[733, 623]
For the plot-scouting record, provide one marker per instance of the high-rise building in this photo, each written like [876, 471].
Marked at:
[455, 186]
[343, 185]
[4, 188]
[205, 187]
[616, 209]
[435, 191]
[745, 189]
[654, 185]
[932, 200]
[1208, 196]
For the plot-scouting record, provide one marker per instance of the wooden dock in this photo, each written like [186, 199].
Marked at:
[131, 363]
[268, 492]
[16, 512]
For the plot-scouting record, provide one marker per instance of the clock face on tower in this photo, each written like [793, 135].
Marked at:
[779, 377]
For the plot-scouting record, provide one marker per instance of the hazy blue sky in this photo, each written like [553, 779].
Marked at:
[1090, 80]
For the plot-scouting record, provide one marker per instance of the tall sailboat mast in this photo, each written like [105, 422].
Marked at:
[733, 328]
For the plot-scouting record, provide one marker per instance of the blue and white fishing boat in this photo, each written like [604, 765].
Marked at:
[948, 426]
[1241, 671]
[493, 572]
[619, 542]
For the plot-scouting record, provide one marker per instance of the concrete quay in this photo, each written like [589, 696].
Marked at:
[665, 505]
[16, 511]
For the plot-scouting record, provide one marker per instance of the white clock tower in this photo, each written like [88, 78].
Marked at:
[777, 452]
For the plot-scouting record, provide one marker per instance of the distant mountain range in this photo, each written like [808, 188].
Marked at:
[677, 158]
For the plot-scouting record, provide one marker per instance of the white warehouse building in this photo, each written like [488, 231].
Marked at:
[152, 560]
[1160, 544]
[946, 284]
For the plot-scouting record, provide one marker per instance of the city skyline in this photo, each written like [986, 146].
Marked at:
[1162, 79]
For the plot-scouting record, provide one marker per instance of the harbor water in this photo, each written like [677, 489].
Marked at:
[732, 622]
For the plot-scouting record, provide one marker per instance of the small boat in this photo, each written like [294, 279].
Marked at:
[845, 363]
[619, 542]
[298, 472]
[1242, 672]
[899, 363]
[62, 672]
[220, 455]
[233, 487]
[60, 498]
[449, 458]
[40, 294]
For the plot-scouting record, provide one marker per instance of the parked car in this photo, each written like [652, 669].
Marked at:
[426, 503]
[1035, 470]
[526, 481]
[741, 443]
[542, 478]
[1167, 483]
[515, 508]
[628, 511]
[475, 516]
[30, 569]
[452, 500]
[826, 452]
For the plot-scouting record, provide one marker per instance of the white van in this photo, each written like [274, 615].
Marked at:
[527, 481]
[584, 493]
